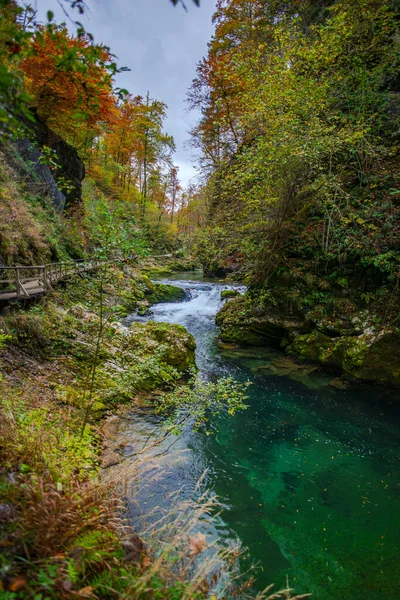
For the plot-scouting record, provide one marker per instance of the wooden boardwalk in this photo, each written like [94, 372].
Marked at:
[19, 283]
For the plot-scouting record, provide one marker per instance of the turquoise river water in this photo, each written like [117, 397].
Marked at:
[308, 475]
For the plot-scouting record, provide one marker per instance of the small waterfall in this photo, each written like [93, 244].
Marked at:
[197, 315]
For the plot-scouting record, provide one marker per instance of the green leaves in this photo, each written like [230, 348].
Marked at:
[200, 399]
[296, 121]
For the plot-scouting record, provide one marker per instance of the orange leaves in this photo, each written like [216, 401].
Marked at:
[68, 79]
[17, 583]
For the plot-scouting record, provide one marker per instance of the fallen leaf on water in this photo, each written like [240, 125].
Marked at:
[197, 544]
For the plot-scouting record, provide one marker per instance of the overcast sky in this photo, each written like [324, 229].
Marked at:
[161, 44]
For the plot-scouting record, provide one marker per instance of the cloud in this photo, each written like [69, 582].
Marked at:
[161, 45]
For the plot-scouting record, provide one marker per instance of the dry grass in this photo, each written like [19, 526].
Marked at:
[22, 238]
[50, 518]
[26, 330]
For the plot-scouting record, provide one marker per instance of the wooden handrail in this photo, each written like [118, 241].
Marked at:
[24, 286]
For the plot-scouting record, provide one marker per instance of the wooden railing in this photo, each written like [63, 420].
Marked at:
[24, 282]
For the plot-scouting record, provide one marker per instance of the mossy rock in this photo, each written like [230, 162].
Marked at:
[242, 336]
[131, 298]
[155, 269]
[172, 343]
[241, 324]
[364, 357]
[139, 291]
[143, 309]
[344, 353]
[120, 311]
[148, 283]
[165, 292]
[229, 294]
[312, 347]
[380, 360]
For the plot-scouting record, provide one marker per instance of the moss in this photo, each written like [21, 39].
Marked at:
[140, 292]
[345, 353]
[312, 347]
[143, 309]
[120, 311]
[148, 283]
[243, 336]
[242, 324]
[130, 298]
[165, 292]
[379, 360]
[172, 343]
[361, 357]
[229, 294]
[154, 269]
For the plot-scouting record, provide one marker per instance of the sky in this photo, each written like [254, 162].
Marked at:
[161, 44]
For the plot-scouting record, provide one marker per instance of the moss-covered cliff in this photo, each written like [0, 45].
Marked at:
[338, 334]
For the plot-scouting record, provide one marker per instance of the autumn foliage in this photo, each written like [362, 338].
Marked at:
[69, 80]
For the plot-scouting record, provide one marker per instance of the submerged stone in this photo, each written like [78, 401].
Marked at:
[226, 345]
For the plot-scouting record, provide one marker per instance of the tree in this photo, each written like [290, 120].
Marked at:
[174, 189]
[69, 81]
[157, 146]
[294, 123]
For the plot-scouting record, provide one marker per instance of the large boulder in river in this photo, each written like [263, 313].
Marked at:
[165, 292]
[173, 345]
[241, 324]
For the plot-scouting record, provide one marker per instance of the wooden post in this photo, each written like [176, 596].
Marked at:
[45, 282]
[21, 291]
[17, 283]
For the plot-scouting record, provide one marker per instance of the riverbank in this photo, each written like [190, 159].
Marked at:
[297, 475]
[66, 363]
[338, 336]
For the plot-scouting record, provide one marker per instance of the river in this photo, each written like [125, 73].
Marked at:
[308, 475]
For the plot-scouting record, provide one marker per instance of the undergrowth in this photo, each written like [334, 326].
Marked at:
[31, 230]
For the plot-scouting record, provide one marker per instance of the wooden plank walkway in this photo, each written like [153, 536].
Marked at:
[20, 282]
